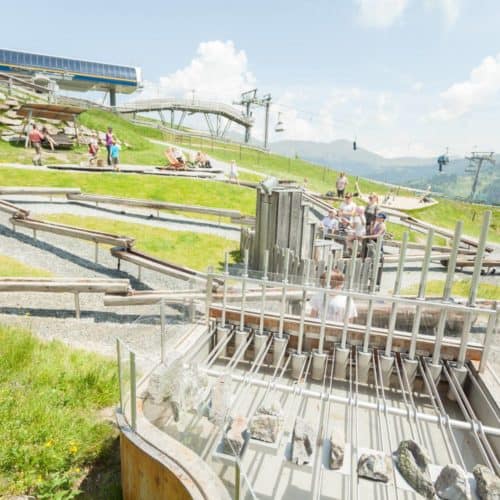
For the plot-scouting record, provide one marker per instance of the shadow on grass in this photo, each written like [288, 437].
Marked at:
[102, 481]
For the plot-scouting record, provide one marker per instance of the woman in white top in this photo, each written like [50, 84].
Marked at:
[347, 208]
[233, 172]
[336, 306]
[357, 227]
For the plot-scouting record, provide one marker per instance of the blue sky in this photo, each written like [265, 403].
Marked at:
[406, 77]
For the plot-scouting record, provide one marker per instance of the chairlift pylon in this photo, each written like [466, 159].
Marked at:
[443, 160]
[279, 125]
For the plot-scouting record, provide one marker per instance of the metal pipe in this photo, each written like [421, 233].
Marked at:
[224, 288]
[343, 342]
[489, 338]
[474, 285]
[397, 289]
[326, 299]
[133, 388]
[283, 295]
[264, 288]
[244, 289]
[447, 291]
[303, 308]
[421, 294]
[162, 328]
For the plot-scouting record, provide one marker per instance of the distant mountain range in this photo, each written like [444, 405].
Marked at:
[408, 171]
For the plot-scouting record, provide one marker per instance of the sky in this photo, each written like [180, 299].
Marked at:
[401, 77]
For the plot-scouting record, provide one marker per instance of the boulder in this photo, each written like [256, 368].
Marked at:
[5, 120]
[374, 465]
[336, 453]
[11, 102]
[11, 113]
[487, 483]
[265, 427]
[452, 484]
[273, 408]
[302, 442]
[412, 461]
[234, 437]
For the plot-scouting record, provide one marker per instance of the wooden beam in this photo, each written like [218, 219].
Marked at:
[29, 190]
[74, 232]
[63, 285]
[401, 340]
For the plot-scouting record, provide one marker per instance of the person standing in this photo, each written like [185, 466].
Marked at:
[115, 156]
[378, 231]
[109, 144]
[233, 172]
[36, 138]
[341, 184]
[336, 306]
[371, 211]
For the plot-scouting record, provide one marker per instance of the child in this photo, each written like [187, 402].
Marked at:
[93, 150]
[233, 172]
[115, 156]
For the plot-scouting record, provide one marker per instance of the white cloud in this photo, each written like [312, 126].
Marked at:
[449, 8]
[380, 13]
[218, 71]
[482, 85]
[417, 86]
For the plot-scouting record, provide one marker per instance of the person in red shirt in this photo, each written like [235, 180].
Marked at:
[36, 138]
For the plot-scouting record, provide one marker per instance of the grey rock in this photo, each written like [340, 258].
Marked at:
[452, 484]
[487, 483]
[11, 102]
[265, 427]
[234, 437]
[375, 466]
[271, 409]
[302, 442]
[412, 461]
[4, 120]
[336, 453]
[13, 138]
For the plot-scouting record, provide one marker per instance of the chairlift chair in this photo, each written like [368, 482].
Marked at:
[279, 125]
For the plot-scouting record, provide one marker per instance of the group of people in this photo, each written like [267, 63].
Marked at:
[350, 222]
[176, 159]
[36, 138]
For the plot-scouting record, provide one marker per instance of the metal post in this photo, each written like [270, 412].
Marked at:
[375, 263]
[264, 288]
[133, 407]
[162, 328]
[326, 298]
[303, 309]
[489, 338]
[224, 289]
[244, 289]
[77, 305]
[473, 286]
[283, 295]
[397, 288]
[421, 294]
[119, 362]
[96, 253]
[447, 292]
[343, 341]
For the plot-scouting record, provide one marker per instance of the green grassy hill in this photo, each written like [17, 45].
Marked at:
[138, 149]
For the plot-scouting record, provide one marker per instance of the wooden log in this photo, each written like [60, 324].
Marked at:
[68, 285]
[158, 265]
[157, 205]
[14, 210]
[443, 232]
[420, 246]
[74, 232]
[49, 191]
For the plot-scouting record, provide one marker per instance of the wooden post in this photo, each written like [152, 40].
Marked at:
[76, 130]
[77, 305]
[28, 122]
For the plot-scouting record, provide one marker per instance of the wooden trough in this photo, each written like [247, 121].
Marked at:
[76, 286]
[157, 205]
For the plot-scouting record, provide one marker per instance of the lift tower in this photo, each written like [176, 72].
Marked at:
[247, 99]
[476, 160]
